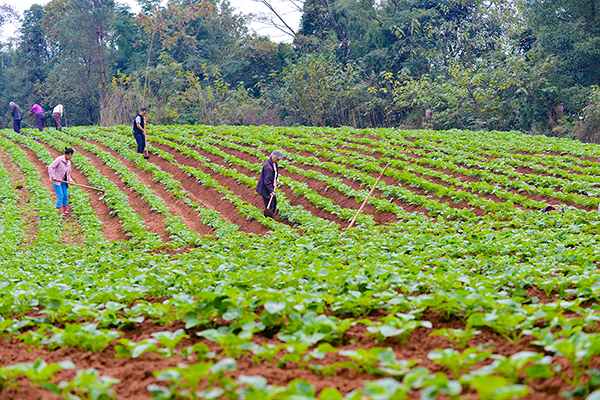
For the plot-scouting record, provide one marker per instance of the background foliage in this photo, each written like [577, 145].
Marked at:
[529, 65]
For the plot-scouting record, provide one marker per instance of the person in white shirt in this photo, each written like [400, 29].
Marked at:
[57, 114]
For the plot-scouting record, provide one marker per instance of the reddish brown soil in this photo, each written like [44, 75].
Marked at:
[153, 219]
[320, 187]
[176, 206]
[392, 181]
[356, 185]
[244, 191]
[112, 229]
[536, 197]
[68, 237]
[209, 197]
[136, 374]
[30, 221]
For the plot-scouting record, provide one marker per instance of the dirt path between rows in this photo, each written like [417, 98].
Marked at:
[112, 228]
[176, 206]
[342, 200]
[250, 194]
[208, 196]
[27, 210]
[152, 219]
[322, 188]
[520, 169]
[71, 230]
[446, 199]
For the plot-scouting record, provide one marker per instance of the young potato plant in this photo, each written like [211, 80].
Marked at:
[458, 363]
[83, 336]
[399, 325]
[458, 337]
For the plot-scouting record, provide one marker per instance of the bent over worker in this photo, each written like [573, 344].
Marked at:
[15, 111]
[57, 114]
[40, 117]
[60, 170]
[268, 180]
[139, 130]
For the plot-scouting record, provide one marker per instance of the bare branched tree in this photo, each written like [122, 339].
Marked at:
[277, 16]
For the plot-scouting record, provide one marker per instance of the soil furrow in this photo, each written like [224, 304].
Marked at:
[391, 181]
[153, 220]
[112, 228]
[354, 184]
[71, 230]
[210, 197]
[176, 206]
[320, 187]
[27, 210]
[249, 193]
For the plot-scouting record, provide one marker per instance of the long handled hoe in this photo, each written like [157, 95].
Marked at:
[85, 186]
[368, 197]
[146, 156]
[267, 212]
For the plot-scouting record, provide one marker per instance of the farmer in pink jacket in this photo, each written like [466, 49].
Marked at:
[60, 170]
[40, 117]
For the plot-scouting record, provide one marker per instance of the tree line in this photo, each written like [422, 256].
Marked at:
[528, 65]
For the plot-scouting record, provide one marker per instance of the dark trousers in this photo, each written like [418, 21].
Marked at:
[141, 142]
[56, 119]
[273, 206]
[40, 118]
[17, 125]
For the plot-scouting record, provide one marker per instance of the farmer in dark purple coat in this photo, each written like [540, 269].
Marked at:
[268, 180]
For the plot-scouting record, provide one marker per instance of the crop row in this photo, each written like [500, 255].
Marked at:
[486, 167]
[83, 211]
[11, 234]
[123, 147]
[115, 199]
[49, 220]
[488, 182]
[338, 164]
[292, 213]
[174, 225]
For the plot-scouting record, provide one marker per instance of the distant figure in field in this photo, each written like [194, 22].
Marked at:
[40, 117]
[57, 114]
[15, 111]
[139, 130]
[269, 178]
[60, 170]
[428, 115]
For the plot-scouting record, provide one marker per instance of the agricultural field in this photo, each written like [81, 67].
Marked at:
[451, 285]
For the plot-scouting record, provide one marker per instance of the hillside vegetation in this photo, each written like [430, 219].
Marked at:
[523, 65]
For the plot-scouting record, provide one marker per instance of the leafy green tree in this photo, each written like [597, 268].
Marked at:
[33, 57]
[567, 36]
[320, 91]
[82, 57]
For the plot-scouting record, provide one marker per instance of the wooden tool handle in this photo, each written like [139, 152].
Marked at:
[368, 197]
[79, 184]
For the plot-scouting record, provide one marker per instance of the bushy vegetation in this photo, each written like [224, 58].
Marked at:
[506, 65]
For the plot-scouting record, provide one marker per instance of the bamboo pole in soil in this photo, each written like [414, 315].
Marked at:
[368, 197]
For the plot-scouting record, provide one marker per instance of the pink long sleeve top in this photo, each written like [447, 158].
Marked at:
[59, 169]
[36, 109]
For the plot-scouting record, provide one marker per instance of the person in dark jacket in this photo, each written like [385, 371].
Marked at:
[268, 180]
[15, 111]
[139, 130]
